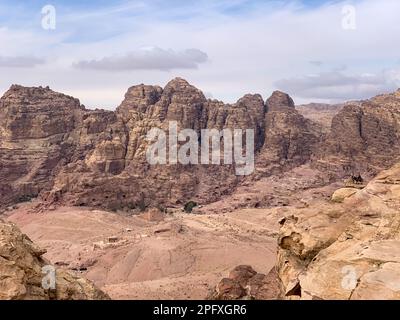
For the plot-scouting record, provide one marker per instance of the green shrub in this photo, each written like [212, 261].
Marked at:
[189, 206]
[24, 198]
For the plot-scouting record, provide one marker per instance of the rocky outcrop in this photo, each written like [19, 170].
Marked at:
[24, 272]
[364, 137]
[347, 250]
[53, 147]
[243, 283]
[34, 128]
[320, 113]
[41, 132]
[290, 139]
[341, 194]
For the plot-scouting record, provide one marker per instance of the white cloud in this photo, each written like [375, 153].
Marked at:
[337, 85]
[148, 59]
[248, 51]
[20, 62]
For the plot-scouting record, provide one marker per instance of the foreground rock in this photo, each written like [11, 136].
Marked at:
[244, 283]
[341, 194]
[347, 250]
[21, 277]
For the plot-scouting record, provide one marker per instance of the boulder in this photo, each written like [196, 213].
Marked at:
[341, 194]
[246, 284]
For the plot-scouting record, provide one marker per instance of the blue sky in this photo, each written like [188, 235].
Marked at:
[226, 48]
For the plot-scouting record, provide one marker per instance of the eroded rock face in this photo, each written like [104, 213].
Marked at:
[53, 147]
[42, 132]
[280, 101]
[244, 283]
[364, 136]
[290, 139]
[34, 127]
[341, 194]
[320, 113]
[347, 250]
[21, 278]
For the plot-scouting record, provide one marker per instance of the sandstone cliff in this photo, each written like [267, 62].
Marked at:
[364, 137]
[53, 147]
[320, 113]
[346, 249]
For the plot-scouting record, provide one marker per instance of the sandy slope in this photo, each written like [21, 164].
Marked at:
[182, 257]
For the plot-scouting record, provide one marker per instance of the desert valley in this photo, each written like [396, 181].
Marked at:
[317, 219]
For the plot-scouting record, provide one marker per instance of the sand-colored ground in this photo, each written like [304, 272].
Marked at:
[182, 257]
[297, 187]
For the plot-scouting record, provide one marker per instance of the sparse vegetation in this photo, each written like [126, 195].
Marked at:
[189, 206]
[24, 198]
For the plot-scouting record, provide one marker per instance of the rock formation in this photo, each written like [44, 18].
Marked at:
[42, 131]
[320, 113]
[290, 139]
[243, 283]
[53, 147]
[22, 276]
[347, 249]
[364, 137]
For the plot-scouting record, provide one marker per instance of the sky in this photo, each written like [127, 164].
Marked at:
[315, 50]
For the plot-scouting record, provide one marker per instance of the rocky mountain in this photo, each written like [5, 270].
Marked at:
[330, 246]
[290, 139]
[22, 272]
[53, 147]
[363, 139]
[320, 113]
